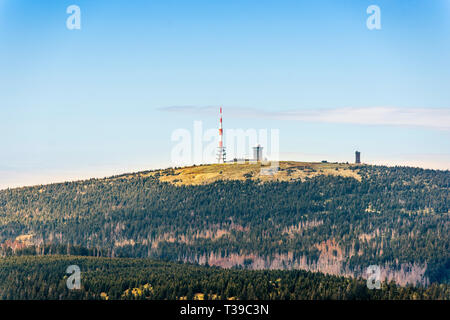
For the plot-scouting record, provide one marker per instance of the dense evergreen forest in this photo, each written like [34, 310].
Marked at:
[395, 217]
[44, 277]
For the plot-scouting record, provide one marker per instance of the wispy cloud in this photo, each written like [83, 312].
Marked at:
[437, 118]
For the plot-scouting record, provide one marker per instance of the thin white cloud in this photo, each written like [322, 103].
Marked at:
[437, 118]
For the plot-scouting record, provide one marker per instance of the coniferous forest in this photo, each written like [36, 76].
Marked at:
[31, 277]
[272, 240]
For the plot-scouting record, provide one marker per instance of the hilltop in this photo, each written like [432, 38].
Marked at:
[288, 171]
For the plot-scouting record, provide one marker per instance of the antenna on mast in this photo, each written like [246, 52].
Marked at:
[221, 154]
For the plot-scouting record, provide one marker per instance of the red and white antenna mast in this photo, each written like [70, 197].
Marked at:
[221, 152]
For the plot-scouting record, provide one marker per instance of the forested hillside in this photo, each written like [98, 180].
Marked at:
[31, 277]
[394, 217]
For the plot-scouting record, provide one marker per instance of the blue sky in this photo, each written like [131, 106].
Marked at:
[101, 100]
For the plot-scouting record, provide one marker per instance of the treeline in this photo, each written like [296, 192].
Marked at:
[35, 277]
[55, 249]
